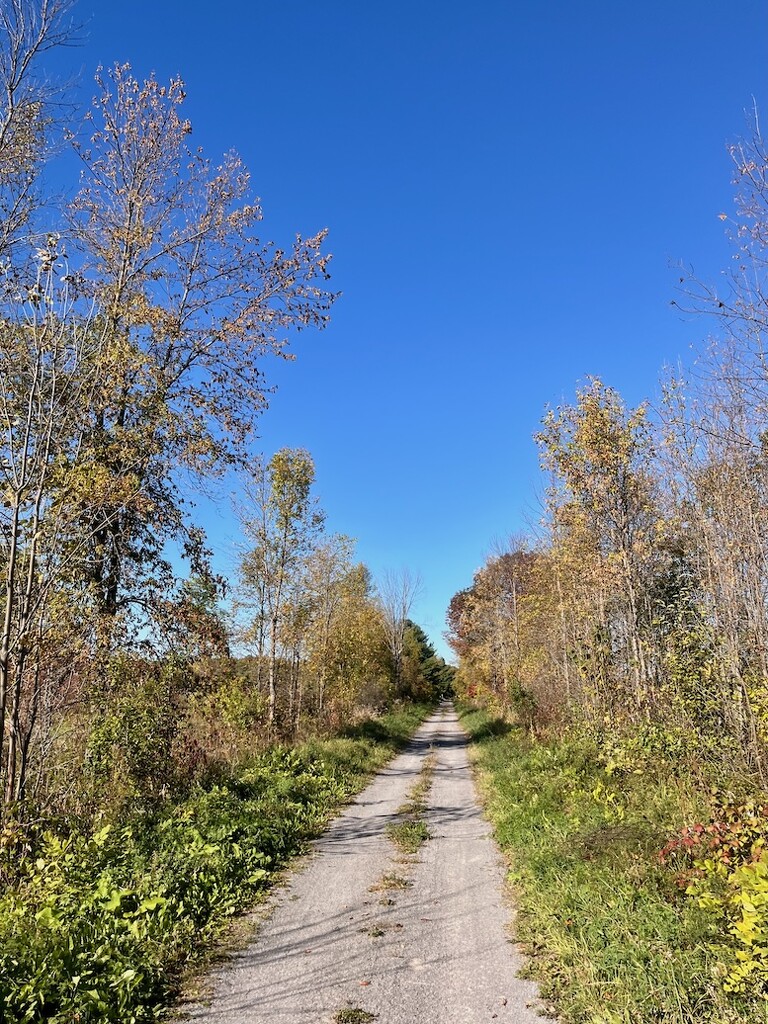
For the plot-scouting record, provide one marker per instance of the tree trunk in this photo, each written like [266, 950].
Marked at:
[271, 713]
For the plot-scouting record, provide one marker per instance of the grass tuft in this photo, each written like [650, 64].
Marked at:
[354, 1015]
[408, 836]
[391, 881]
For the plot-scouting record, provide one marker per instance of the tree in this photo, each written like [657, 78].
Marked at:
[48, 380]
[352, 662]
[281, 525]
[118, 378]
[190, 300]
[600, 455]
[501, 627]
[328, 569]
[397, 592]
[28, 30]
[43, 386]
[426, 676]
[716, 468]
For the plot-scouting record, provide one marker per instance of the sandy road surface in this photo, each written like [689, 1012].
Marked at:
[434, 952]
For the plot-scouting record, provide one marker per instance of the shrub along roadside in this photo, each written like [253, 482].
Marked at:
[98, 927]
[613, 937]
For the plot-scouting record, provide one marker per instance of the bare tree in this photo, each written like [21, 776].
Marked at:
[40, 381]
[397, 593]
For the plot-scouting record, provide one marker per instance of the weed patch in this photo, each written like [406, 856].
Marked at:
[391, 881]
[354, 1015]
[420, 789]
[411, 833]
[408, 836]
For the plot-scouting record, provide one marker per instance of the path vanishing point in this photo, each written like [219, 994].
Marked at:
[362, 932]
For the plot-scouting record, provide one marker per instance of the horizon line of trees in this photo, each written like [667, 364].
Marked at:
[645, 600]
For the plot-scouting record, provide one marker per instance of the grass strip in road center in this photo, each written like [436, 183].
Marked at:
[408, 836]
[411, 832]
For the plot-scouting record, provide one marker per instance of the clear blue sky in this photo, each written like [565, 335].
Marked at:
[507, 186]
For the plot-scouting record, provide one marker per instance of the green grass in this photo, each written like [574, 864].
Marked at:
[354, 1015]
[100, 926]
[408, 836]
[611, 938]
[420, 789]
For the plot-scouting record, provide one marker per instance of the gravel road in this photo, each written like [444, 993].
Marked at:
[419, 939]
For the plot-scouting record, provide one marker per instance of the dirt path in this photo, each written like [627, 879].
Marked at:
[419, 939]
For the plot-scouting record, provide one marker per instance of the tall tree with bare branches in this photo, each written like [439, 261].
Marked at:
[397, 592]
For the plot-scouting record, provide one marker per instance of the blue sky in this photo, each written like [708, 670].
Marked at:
[507, 186]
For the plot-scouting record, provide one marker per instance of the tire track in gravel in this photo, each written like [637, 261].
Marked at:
[435, 950]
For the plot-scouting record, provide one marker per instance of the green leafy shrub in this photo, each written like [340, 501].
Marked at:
[723, 864]
[130, 755]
